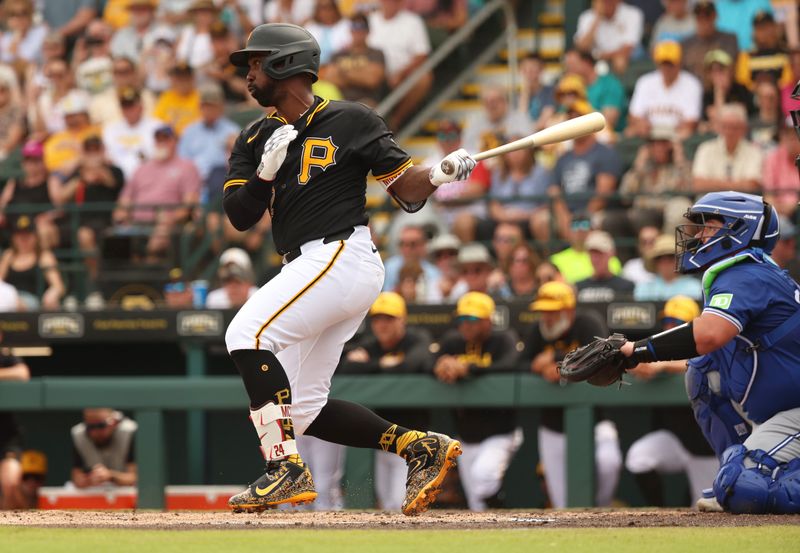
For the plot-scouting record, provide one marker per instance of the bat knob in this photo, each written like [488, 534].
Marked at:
[447, 167]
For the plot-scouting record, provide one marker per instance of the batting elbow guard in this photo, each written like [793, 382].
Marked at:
[672, 344]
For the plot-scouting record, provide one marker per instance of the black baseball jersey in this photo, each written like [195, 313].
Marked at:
[321, 187]
[497, 354]
[587, 325]
[411, 355]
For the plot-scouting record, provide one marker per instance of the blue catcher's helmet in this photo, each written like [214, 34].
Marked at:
[747, 221]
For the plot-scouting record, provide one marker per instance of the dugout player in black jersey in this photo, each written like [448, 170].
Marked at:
[11, 495]
[306, 166]
[490, 436]
[561, 329]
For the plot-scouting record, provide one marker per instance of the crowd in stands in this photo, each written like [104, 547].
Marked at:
[124, 112]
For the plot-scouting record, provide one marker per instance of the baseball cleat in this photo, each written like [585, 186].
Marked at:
[428, 461]
[285, 482]
[708, 503]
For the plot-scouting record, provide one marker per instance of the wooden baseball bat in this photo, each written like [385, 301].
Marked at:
[566, 130]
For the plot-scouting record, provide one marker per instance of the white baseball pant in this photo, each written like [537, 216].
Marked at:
[482, 466]
[607, 459]
[307, 312]
[663, 452]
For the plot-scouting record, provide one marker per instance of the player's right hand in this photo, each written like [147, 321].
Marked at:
[275, 152]
[463, 164]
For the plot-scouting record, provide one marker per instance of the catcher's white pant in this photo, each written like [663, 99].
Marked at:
[607, 460]
[307, 312]
[663, 452]
[390, 480]
[326, 462]
[482, 466]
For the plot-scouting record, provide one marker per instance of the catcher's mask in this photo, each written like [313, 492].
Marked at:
[287, 50]
[747, 221]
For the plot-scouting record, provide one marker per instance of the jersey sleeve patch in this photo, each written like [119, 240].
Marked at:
[721, 301]
[388, 178]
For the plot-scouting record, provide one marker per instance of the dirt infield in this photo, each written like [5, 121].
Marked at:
[589, 518]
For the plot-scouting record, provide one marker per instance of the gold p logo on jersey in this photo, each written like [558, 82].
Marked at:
[317, 152]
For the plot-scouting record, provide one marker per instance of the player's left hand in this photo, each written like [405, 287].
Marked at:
[275, 152]
[462, 162]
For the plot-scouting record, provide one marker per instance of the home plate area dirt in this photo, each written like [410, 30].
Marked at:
[436, 519]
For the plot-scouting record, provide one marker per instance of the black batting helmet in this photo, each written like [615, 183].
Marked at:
[287, 49]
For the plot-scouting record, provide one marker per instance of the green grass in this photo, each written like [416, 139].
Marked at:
[582, 540]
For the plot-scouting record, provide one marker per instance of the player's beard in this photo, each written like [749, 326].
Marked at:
[265, 95]
[557, 329]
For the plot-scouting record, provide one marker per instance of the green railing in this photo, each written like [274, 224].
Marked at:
[149, 398]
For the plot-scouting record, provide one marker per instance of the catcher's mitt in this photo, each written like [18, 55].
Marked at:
[600, 363]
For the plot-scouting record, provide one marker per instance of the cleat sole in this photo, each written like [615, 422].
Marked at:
[300, 499]
[428, 494]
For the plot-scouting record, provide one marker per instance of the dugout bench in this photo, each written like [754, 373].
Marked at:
[149, 397]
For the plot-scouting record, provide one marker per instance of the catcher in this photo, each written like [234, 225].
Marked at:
[744, 352]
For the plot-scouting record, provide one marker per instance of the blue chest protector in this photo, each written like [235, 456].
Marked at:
[733, 374]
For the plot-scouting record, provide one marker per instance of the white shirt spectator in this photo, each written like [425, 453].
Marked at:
[331, 39]
[712, 161]
[127, 146]
[667, 107]
[9, 298]
[623, 29]
[400, 38]
[28, 49]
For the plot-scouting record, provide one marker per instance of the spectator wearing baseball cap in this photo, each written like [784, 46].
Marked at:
[720, 87]
[194, 42]
[391, 347]
[560, 328]
[359, 70]
[766, 60]
[130, 140]
[237, 280]
[706, 38]
[443, 252]
[161, 194]
[179, 105]
[735, 16]
[660, 260]
[489, 437]
[666, 97]
[573, 262]
[205, 141]
[476, 267]
[603, 285]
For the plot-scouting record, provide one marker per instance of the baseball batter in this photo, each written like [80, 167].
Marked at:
[306, 165]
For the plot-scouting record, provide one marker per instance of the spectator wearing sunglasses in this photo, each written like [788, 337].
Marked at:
[103, 449]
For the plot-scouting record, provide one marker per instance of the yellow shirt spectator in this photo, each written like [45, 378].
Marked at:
[63, 149]
[178, 110]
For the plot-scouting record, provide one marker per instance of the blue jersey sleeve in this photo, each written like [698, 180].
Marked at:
[737, 296]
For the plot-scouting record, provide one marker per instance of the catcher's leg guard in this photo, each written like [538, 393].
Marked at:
[785, 492]
[739, 489]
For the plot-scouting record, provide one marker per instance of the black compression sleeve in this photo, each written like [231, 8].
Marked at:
[672, 344]
[243, 208]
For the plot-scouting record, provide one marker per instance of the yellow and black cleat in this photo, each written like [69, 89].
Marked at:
[428, 459]
[285, 482]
